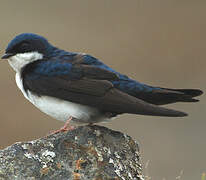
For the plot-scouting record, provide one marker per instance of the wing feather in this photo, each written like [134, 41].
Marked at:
[86, 85]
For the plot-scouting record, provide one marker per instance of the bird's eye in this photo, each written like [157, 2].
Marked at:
[24, 46]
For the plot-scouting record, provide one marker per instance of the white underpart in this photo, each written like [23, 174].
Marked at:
[18, 61]
[56, 108]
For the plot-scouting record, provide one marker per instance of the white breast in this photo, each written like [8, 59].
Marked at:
[60, 109]
[57, 108]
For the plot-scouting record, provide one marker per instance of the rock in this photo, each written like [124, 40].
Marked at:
[85, 153]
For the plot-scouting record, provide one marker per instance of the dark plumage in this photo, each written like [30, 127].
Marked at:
[83, 79]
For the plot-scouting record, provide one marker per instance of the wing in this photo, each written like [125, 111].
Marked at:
[150, 94]
[88, 85]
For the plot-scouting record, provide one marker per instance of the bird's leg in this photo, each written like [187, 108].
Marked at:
[66, 127]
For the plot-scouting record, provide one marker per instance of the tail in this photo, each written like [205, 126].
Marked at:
[121, 102]
[187, 95]
[161, 96]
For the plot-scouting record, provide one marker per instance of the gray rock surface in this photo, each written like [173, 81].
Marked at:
[85, 153]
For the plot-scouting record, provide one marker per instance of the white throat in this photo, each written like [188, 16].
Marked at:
[18, 61]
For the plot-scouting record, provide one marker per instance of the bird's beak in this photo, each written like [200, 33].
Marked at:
[7, 55]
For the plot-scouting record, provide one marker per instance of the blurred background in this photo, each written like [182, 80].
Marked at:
[161, 43]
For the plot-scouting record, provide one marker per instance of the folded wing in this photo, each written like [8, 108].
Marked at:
[86, 85]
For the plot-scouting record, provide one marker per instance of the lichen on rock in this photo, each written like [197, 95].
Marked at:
[85, 153]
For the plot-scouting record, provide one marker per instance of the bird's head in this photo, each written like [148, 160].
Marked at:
[26, 48]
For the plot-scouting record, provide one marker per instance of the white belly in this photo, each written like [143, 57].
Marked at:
[60, 109]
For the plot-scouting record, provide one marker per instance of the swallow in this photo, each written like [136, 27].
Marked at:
[79, 88]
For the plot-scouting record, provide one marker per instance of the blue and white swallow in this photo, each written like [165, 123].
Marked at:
[81, 88]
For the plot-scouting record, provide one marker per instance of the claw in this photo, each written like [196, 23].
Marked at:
[66, 127]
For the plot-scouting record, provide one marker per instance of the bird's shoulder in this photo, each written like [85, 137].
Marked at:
[79, 58]
[69, 65]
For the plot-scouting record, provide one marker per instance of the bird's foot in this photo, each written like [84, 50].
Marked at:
[65, 128]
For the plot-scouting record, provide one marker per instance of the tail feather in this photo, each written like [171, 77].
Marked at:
[187, 95]
[189, 92]
[161, 96]
[121, 102]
